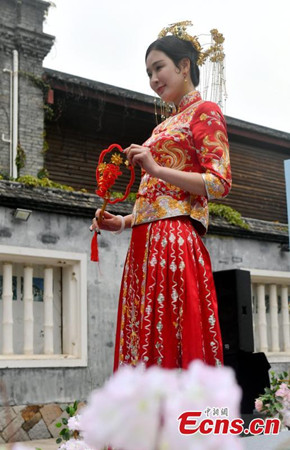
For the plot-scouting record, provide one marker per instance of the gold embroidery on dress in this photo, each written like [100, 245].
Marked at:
[169, 155]
[220, 144]
[173, 145]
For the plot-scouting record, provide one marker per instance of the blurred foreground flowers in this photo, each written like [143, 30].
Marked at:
[138, 409]
[275, 402]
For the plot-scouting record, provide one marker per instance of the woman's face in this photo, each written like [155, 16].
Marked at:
[166, 79]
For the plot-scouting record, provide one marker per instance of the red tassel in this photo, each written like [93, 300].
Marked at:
[94, 248]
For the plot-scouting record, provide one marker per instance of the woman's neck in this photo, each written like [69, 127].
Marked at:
[190, 88]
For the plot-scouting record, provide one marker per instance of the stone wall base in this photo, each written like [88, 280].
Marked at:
[27, 423]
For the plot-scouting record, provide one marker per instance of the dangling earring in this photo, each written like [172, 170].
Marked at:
[155, 111]
[161, 108]
[165, 110]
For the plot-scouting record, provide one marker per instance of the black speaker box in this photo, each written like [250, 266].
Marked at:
[251, 370]
[233, 288]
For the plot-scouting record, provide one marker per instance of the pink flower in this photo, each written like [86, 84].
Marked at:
[283, 391]
[258, 405]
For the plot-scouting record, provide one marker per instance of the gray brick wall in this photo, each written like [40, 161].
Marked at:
[21, 29]
[31, 14]
[31, 116]
[25, 13]
[8, 12]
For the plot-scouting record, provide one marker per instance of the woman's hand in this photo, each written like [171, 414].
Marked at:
[188, 181]
[141, 156]
[109, 222]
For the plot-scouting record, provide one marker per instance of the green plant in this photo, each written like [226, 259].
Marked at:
[42, 173]
[32, 181]
[5, 176]
[48, 112]
[131, 197]
[45, 145]
[20, 159]
[65, 433]
[37, 81]
[229, 214]
[44, 87]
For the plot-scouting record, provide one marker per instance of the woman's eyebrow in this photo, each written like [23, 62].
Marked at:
[154, 64]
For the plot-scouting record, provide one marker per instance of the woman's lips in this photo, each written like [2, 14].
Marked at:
[160, 90]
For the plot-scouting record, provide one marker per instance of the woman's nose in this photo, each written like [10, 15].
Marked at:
[154, 79]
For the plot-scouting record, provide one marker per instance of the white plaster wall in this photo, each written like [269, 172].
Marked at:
[70, 233]
[235, 253]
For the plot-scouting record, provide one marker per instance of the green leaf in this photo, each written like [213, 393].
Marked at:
[76, 403]
[63, 431]
[64, 421]
[67, 435]
[278, 405]
[58, 440]
[70, 410]
[58, 425]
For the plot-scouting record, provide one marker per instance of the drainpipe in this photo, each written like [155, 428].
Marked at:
[15, 114]
[4, 139]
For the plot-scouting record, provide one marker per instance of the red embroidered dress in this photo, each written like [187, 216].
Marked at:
[167, 308]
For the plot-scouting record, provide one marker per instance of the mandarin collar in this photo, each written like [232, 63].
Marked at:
[188, 99]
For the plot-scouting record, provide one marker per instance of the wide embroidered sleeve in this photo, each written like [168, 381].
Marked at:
[210, 139]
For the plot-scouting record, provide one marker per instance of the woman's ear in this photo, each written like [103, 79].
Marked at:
[184, 66]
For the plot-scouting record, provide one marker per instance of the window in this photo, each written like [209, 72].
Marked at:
[43, 308]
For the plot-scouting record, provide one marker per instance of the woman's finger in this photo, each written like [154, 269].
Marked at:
[107, 215]
[94, 226]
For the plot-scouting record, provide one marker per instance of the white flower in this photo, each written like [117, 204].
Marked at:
[139, 409]
[125, 413]
[76, 444]
[201, 387]
[18, 447]
[74, 423]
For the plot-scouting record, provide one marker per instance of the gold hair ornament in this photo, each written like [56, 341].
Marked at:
[178, 30]
[214, 52]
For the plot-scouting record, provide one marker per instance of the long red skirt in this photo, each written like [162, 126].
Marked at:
[167, 308]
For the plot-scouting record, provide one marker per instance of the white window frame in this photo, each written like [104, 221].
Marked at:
[74, 306]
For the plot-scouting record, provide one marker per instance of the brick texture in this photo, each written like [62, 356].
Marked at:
[21, 29]
[50, 413]
[32, 422]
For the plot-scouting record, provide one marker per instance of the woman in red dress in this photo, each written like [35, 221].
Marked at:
[168, 308]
